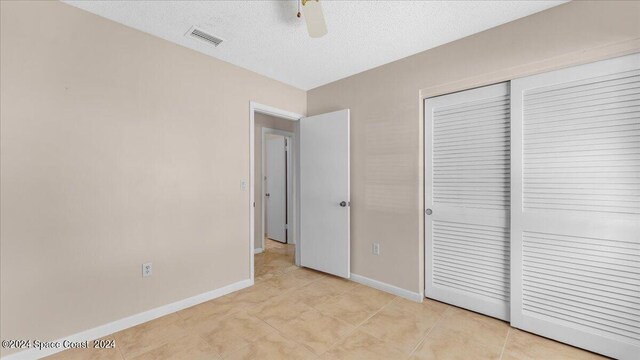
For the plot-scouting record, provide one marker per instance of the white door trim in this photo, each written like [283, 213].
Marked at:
[288, 115]
[291, 238]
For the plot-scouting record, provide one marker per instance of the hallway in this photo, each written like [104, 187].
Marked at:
[275, 260]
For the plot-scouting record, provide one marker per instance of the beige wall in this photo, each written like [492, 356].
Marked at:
[264, 121]
[386, 122]
[118, 148]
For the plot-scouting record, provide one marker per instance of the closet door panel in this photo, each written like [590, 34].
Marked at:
[467, 192]
[576, 206]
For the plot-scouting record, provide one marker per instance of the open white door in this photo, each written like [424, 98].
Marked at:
[276, 188]
[324, 193]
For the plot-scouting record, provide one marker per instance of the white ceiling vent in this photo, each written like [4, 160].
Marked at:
[202, 35]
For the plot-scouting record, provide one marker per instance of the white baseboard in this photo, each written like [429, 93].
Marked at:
[118, 325]
[257, 250]
[410, 295]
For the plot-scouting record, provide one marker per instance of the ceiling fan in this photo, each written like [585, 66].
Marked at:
[316, 26]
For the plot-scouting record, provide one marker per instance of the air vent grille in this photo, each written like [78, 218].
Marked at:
[203, 36]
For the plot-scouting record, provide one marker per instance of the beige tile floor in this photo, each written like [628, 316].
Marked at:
[295, 313]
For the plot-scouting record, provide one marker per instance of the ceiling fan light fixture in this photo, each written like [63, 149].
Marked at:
[316, 25]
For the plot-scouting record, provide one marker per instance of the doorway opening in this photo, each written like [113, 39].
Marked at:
[319, 150]
[274, 184]
[276, 179]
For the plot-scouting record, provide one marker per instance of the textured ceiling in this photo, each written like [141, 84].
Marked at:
[266, 37]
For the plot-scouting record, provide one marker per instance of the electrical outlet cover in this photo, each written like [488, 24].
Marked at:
[147, 269]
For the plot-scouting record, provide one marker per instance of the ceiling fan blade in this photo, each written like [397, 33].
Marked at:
[314, 18]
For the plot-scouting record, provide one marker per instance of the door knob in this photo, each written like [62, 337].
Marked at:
[343, 203]
[267, 194]
[429, 211]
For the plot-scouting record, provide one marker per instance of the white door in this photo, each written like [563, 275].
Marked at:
[324, 193]
[467, 199]
[276, 188]
[576, 206]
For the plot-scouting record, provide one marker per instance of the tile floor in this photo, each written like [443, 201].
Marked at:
[295, 313]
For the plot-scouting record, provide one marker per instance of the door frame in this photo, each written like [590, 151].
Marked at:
[289, 136]
[287, 115]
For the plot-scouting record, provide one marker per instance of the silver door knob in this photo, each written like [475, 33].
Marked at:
[343, 203]
[429, 211]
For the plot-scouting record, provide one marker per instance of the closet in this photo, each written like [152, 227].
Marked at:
[533, 203]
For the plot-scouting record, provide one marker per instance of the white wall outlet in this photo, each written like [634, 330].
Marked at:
[243, 184]
[376, 249]
[147, 269]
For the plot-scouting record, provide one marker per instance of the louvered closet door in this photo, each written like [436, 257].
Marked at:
[576, 206]
[467, 190]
